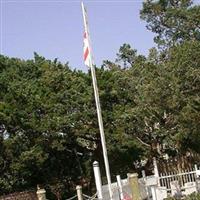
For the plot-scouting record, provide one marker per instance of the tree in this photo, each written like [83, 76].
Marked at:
[174, 21]
[123, 150]
[126, 54]
[184, 67]
[40, 104]
[178, 33]
[160, 104]
[48, 124]
[49, 127]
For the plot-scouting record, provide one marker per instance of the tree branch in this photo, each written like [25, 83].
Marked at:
[144, 143]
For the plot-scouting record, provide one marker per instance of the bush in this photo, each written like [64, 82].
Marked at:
[193, 196]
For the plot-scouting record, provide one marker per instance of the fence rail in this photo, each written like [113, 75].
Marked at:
[183, 177]
[182, 183]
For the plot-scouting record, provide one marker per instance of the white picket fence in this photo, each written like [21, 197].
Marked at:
[155, 187]
[183, 177]
[162, 185]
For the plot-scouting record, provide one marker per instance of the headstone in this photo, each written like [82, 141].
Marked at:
[151, 180]
[143, 189]
[190, 188]
[161, 193]
[175, 189]
[198, 184]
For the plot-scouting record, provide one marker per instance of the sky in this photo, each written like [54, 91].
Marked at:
[54, 29]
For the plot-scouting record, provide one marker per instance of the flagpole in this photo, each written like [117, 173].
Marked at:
[99, 115]
[103, 141]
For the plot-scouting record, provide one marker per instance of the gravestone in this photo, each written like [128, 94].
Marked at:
[175, 189]
[161, 193]
[190, 187]
[198, 185]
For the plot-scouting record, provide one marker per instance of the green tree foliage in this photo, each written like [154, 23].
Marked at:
[184, 67]
[163, 102]
[151, 106]
[173, 21]
[126, 55]
[41, 110]
[114, 89]
[161, 109]
[49, 129]
[171, 89]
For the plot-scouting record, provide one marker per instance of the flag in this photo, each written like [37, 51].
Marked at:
[87, 54]
[86, 40]
[86, 50]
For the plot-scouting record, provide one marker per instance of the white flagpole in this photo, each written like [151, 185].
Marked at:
[98, 107]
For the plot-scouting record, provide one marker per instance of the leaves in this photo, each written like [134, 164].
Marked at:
[173, 21]
[49, 130]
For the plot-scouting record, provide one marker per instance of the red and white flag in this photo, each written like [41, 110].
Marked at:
[86, 40]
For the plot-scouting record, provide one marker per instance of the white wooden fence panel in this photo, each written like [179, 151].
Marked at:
[182, 178]
[186, 183]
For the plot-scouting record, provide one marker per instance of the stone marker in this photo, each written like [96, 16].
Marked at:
[133, 180]
[190, 187]
[175, 189]
[41, 194]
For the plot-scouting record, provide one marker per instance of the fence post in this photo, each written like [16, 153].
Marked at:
[79, 192]
[197, 171]
[152, 183]
[153, 192]
[128, 174]
[143, 175]
[41, 194]
[133, 180]
[156, 172]
[198, 178]
[119, 182]
[144, 179]
[97, 176]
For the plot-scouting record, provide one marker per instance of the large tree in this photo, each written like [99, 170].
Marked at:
[41, 106]
[173, 21]
[161, 105]
[49, 128]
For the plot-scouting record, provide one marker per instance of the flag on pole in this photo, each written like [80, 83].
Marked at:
[86, 50]
[89, 62]
[86, 40]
